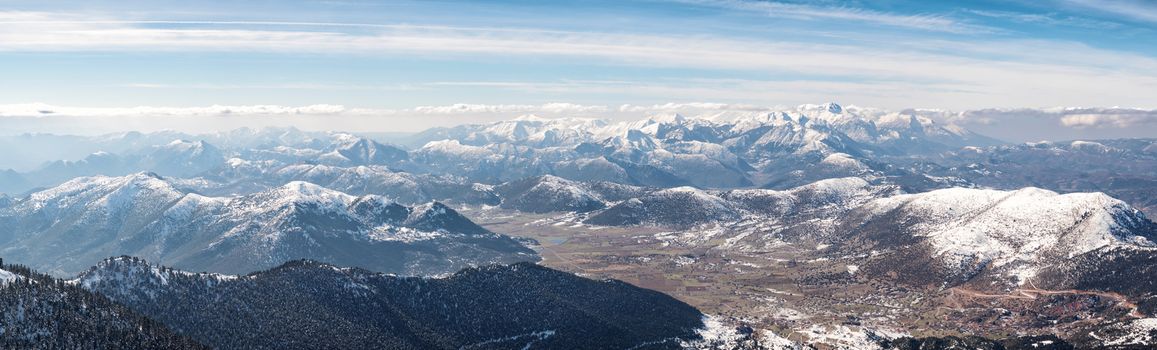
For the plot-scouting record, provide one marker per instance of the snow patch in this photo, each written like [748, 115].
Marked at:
[7, 277]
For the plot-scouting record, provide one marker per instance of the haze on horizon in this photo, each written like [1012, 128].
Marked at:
[1008, 68]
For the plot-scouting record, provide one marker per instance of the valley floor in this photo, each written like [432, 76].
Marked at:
[796, 292]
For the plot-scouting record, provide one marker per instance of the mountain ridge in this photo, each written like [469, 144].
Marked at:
[148, 215]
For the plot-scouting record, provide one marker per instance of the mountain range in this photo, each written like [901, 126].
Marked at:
[810, 226]
[67, 228]
[727, 150]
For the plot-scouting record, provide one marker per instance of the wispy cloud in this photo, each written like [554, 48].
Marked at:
[1119, 121]
[47, 110]
[927, 22]
[690, 107]
[1051, 19]
[935, 73]
[1142, 10]
[1071, 117]
[1014, 124]
[44, 110]
[46, 34]
[281, 86]
[555, 108]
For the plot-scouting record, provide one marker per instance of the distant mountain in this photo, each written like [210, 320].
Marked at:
[490, 164]
[548, 193]
[363, 151]
[399, 186]
[686, 207]
[806, 126]
[774, 149]
[680, 207]
[737, 149]
[1125, 169]
[954, 236]
[40, 312]
[13, 182]
[179, 158]
[78, 223]
[306, 305]
[911, 131]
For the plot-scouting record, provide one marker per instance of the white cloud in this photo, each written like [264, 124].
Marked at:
[806, 11]
[41, 110]
[691, 106]
[1143, 10]
[46, 110]
[280, 86]
[935, 73]
[1120, 121]
[1058, 123]
[1019, 124]
[1048, 19]
[556, 108]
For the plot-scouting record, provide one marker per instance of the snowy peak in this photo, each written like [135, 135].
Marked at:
[1090, 147]
[379, 211]
[832, 107]
[189, 147]
[1019, 231]
[634, 140]
[182, 158]
[298, 194]
[68, 228]
[865, 124]
[839, 191]
[680, 207]
[438, 217]
[307, 190]
[453, 147]
[548, 193]
[7, 277]
[119, 191]
[759, 148]
[830, 197]
[362, 151]
[672, 118]
[135, 276]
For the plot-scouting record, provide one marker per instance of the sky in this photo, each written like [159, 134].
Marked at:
[1011, 67]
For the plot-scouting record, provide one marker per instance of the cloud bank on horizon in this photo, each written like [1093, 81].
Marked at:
[1009, 124]
[1020, 64]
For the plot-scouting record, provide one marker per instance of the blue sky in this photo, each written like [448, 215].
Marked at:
[392, 57]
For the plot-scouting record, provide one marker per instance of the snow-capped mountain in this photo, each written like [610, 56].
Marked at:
[80, 222]
[685, 207]
[550, 193]
[1010, 235]
[777, 149]
[403, 187]
[180, 158]
[826, 199]
[1125, 169]
[353, 150]
[780, 149]
[311, 304]
[679, 207]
